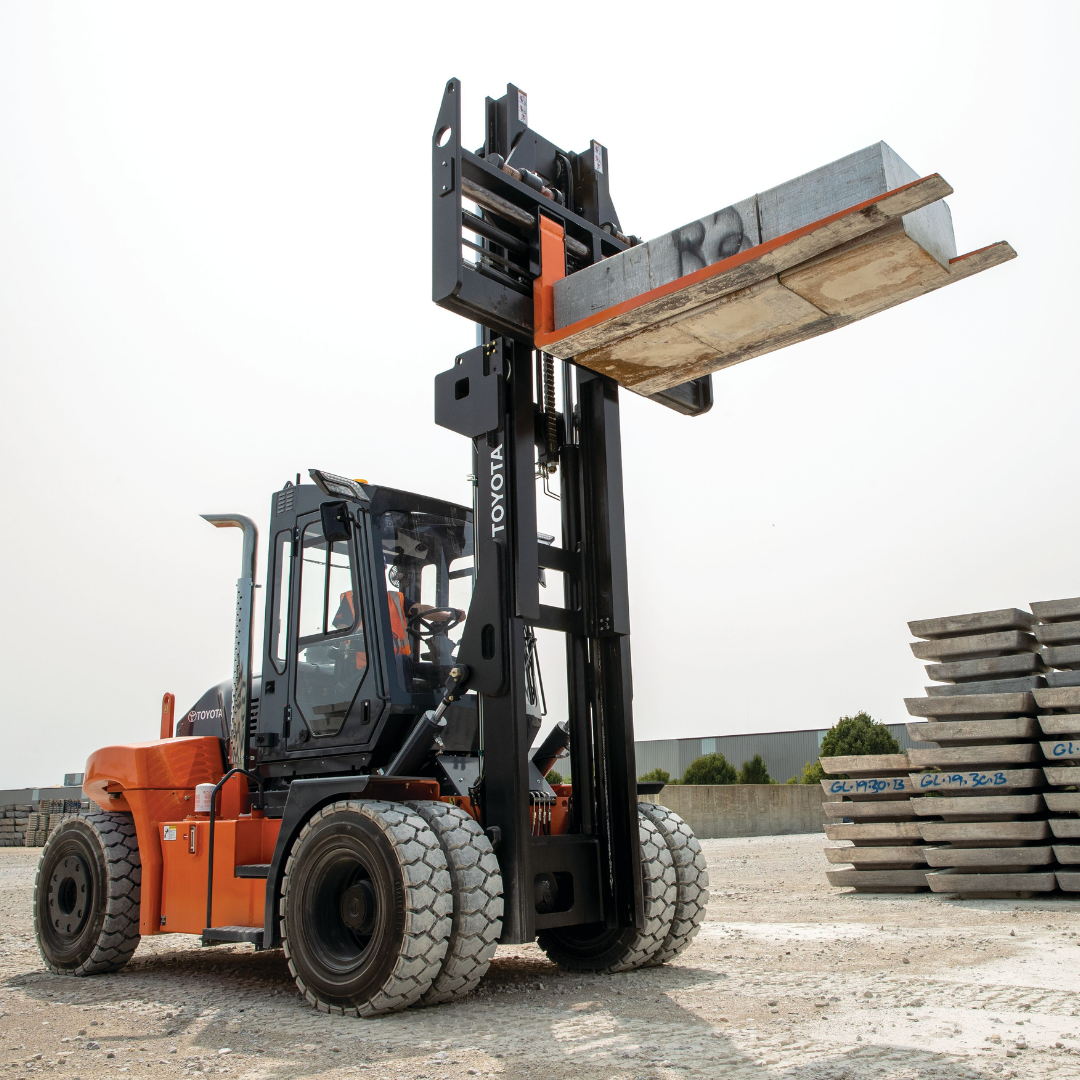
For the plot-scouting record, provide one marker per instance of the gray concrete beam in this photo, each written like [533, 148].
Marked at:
[988, 860]
[990, 886]
[871, 765]
[982, 732]
[975, 647]
[1062, 724]
[991, 782]
[1020, 684]
[973, 706]
[878, 881]
[983, 833]
[989, 667]
[872, 833]
[978, 807]
[901, 857]
[979, 622]
[1059, 633]
[1056, 610]
[1058, 697]
[870, 811]
[975, 757]
[1061, 775]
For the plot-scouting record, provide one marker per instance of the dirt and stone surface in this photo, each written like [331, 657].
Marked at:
[788, 978]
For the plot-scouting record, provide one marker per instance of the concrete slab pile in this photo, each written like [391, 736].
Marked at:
[1059, 723]
[40, 823]
[1058, 633]
[870, 809]
[13, 819]
[979, 789]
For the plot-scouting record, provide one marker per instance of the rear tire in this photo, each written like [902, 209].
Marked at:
[476, 887]
[595, 948]
[86, 895]
[365, 908]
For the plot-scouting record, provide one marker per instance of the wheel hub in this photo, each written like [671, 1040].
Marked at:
[69, 896]
[358, 907]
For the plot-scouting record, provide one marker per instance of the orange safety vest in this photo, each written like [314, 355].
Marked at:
[346, 615]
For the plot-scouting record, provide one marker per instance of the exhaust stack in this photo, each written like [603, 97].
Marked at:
[245, 601]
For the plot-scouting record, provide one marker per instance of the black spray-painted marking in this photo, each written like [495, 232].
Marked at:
[710, 239]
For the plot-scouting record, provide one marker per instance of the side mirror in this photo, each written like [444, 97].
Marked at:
[335, 521]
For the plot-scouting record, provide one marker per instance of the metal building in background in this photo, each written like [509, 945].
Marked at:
[785, 752]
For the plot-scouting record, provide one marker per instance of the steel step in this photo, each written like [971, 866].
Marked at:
[260, 869]
[223, 935]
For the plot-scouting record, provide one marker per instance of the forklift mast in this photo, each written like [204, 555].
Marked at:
[488, 264]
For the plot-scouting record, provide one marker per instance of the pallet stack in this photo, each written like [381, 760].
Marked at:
[1058, 631]
[870, 806]
[980, 801]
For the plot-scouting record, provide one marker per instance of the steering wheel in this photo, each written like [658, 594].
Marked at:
[424, 624]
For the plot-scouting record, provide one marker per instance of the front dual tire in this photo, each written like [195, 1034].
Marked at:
[675, 885]
[386, 905]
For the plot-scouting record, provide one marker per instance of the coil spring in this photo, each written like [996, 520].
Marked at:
[549, 407]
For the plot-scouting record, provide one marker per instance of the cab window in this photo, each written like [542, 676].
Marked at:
[331, 652]
[279, 627]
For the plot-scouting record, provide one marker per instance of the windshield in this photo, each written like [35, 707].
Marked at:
[428, 572]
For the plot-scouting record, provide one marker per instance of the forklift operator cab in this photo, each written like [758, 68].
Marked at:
[367, 607]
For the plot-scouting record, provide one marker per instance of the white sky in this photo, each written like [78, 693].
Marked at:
[215, 273]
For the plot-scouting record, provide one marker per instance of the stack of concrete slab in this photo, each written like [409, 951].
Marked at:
[979, 800]
[13, 818]
[1058, 633]
[1059, 721]
[869, 808]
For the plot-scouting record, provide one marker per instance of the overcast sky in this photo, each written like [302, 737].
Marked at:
[215, 273]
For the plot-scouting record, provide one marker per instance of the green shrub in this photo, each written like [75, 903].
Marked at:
[850, 735]
[554, 777]
[792, 780]
[710, 769]
[858, 734]
[657, 775]
[755, 772]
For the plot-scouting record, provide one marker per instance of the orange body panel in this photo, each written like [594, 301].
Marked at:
[237, 901]
[167, 764]
[155, 782]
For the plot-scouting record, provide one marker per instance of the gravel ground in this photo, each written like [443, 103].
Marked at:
[788, 978]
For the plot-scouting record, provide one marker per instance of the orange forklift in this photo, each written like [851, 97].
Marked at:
[374, 801]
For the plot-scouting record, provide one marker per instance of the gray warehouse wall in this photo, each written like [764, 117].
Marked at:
[785, 752]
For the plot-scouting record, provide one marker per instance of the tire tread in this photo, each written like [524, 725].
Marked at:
[691, 874]
[477, 896]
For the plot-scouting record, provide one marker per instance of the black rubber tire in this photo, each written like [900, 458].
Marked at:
[476, 888]
[691, 875]
[595, 948]
[86, 895]
[389, 958]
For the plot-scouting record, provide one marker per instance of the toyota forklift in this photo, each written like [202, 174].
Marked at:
[375, 800]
